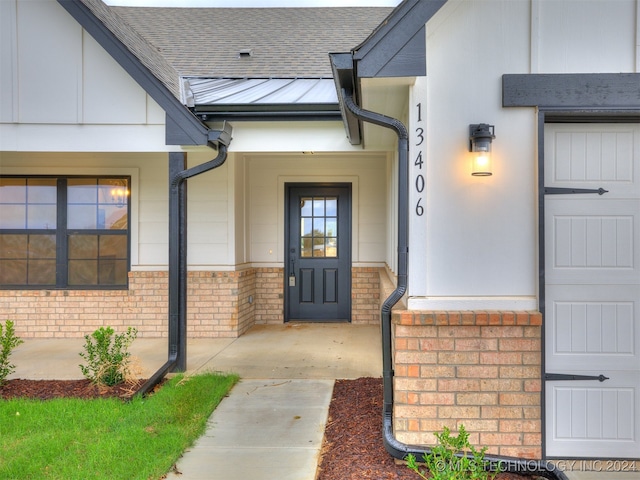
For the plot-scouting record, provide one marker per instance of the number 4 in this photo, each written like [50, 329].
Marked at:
[418, 162]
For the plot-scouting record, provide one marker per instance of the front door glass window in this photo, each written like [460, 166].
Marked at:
[319, 227]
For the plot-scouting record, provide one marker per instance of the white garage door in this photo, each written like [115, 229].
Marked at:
[592, 294]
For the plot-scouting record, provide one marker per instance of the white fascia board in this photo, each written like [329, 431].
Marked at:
[84, 138]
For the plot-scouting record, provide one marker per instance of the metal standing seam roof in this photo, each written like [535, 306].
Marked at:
[251, 91]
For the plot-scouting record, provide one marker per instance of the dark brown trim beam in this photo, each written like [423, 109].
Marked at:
[619, 91]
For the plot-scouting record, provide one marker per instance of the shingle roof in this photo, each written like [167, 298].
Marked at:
[285, 42]
[178, 45]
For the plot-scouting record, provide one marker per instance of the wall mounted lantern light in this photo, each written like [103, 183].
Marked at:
[480, 138]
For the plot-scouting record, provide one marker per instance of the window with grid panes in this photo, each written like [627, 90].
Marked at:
[64, 232]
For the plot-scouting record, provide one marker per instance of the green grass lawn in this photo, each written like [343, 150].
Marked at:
[107, 438]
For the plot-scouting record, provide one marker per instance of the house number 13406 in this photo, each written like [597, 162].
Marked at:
[418, 162]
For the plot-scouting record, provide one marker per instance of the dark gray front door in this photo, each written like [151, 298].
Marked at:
[318, 252]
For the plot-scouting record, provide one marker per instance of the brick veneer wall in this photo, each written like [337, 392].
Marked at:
[365, 295]
[480, 369]
[219, 304]
[269, 296]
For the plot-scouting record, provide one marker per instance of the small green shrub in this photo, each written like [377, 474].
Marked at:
[8, 341]
[443, 463]
[107, 356]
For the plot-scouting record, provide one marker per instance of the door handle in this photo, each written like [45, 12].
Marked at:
[292, 268]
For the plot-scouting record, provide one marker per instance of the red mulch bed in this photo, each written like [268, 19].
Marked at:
[353, 446]
[48, 389]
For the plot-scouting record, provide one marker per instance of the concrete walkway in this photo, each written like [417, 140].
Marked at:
[271, 425]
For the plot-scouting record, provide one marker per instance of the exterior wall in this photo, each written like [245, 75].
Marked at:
[219, 304]
[365, 295]
[477, 368]
[72, 81]
[469, 349]
[476, 225]
[269, 296]
[267, 175]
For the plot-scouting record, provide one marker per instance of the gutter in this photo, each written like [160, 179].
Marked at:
[393, 446]
[177, 352]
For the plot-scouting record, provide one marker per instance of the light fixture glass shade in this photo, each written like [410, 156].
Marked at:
[481, 163]
[480, 137]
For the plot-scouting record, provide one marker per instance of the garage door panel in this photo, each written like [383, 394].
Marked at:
[597, 419]
[586, 243]
[593, 156]
[592, 327]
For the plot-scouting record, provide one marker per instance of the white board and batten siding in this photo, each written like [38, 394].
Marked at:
[592, 273]
[67, 94]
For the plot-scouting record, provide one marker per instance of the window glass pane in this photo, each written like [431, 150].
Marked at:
[331, 247]
[82, 190]
[318, 227]
[113, 246]
[113, 191]
[115, 218]
[306, 249]
[13, 272]
[42, 190]
[42, 246]
[318, 207]
[331, 226]
[13, 216]
[307, 226]
[318, 247]
[332, 206]
[13, 246]
[83, 246]
[112, 272]
[82, 217]
[305, 206]
[41, 217]
[83, 272]
[13, 190]
[42, 272]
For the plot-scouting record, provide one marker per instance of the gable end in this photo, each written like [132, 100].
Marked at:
[184, 128]
[397, 47]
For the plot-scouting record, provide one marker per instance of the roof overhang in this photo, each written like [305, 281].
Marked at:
[397, 48]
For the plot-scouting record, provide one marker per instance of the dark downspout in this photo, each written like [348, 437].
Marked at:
[396, 448]
[178, 174]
